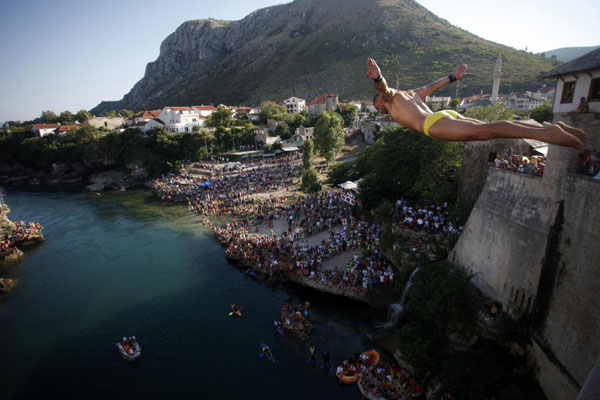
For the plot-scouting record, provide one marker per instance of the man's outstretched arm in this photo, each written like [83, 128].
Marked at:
[425, 91]
[374, 73]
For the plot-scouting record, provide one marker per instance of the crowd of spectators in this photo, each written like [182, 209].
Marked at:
[221, 189]
[289, 253]
[432, 218]
[509, 161]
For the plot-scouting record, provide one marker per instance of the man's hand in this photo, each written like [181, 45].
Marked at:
[373, 70]
[460, 72]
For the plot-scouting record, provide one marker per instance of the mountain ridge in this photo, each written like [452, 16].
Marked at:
[309, 47]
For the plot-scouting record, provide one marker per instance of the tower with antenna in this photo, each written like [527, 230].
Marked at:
[497, 76]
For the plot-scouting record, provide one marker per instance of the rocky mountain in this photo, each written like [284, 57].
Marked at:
[566, 54]
[309, 47]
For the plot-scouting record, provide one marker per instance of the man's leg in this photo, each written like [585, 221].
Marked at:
[464, 129]
[578, 133]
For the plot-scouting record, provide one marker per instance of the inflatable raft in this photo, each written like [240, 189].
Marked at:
[129, 349]
[347, 379]
[372, 356]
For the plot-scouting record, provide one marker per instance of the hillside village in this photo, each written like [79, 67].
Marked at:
[187, 119]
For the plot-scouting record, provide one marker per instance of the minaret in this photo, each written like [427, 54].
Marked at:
[497, 76]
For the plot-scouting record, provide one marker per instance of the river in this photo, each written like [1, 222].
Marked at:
[108, 270]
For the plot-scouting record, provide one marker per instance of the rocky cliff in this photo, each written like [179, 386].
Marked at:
[309, 47]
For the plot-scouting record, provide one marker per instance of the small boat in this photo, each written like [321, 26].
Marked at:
[266, 352]
[129, 348]
[278, 328]
[372, 357]
[347, 379]
[235, 310]
[251, 273]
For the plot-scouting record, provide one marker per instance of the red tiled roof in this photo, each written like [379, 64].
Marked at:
[151, 114]
[181, 108]
[321, 99]
[46, 126]
[65, 128]
[206, 108]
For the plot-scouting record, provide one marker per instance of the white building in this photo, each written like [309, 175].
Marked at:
[180, 119]
[143, 116]
[44, 129]
[437, 103]
[204, 111]
[576, 79]
[522, 101]
[294, 105]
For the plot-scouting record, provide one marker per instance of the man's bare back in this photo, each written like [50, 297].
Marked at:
[408, 109]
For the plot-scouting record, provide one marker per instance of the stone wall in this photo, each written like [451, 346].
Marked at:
[533, 244]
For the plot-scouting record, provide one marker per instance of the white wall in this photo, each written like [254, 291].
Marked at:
[582, 89]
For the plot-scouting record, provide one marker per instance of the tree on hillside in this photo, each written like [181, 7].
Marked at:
[126, 113]
[299, 120]
[308, 155]
[348, 112]
[271, 110]
[543, 113]
[110, 114]
[66, 118]
[454, 103]
[221, 117]
[492, 113]
[329, 135]
[405, 163]
[49, 117]
[310, 182]
[82, 116]
[283, 130]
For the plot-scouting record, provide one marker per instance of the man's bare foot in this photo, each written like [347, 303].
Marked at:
[578, 133]
[556, 135]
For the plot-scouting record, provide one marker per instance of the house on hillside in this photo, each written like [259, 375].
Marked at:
[143, 116]
[180, 119]
[437, 103]
[576, 79]
[303, 134]
[294, 105]
[106, 122]
[325, 102]
[204, 111]
[44, 129]
[371, 129]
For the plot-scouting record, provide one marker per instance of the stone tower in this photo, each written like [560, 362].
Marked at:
[497, 76]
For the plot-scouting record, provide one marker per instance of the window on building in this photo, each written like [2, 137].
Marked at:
[568, 92]
[594, 90]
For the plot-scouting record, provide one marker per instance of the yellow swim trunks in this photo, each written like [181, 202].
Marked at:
[436, 116]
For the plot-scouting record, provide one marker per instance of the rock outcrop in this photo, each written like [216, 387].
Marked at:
[6, 285]
[310, 47]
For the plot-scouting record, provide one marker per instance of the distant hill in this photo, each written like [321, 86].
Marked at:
[566, 54]
[310, 47]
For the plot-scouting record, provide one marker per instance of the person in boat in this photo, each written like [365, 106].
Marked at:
[313, 355]
[407, 107]
[234, 308]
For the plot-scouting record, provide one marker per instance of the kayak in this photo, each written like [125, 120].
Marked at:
[267, 353]
[251, 273]
[278, 328]
[129, 351]
[237, 312]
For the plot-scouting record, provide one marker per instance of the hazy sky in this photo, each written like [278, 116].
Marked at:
[70, 55]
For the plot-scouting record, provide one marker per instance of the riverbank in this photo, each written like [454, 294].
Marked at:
[13, 234]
